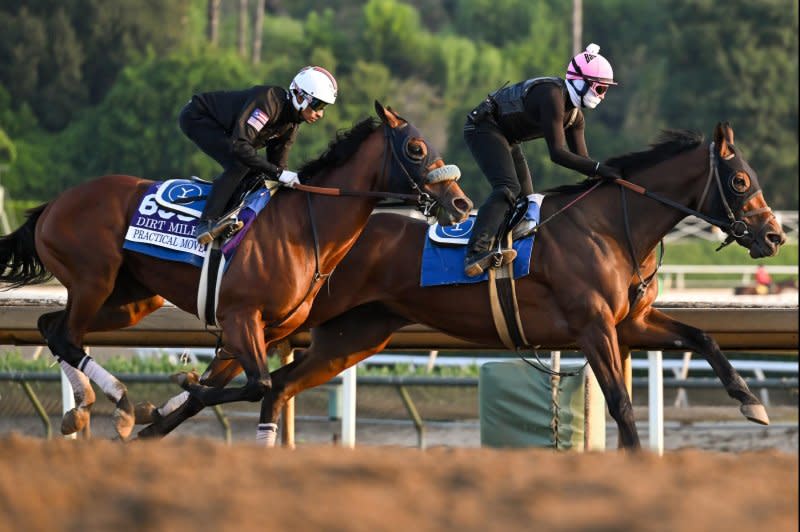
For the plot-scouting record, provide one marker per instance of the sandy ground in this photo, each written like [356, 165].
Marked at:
[194, 484]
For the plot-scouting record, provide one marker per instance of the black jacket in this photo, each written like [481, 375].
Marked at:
[255, 118]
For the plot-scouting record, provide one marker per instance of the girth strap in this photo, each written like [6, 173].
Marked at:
[503, 302]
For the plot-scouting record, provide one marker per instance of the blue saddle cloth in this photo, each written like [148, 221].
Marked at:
[446, 247]
[163, 226]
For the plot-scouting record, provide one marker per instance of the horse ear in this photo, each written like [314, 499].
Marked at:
[723, 138]
[387, 115]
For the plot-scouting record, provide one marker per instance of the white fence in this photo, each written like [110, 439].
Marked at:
[674, 276]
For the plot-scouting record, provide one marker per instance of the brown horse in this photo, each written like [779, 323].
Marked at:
[294, 244]
[588, 284]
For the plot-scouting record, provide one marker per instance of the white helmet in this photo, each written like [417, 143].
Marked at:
[316, 86]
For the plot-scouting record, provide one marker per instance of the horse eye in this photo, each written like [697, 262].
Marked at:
[416, 150]
[740, 182]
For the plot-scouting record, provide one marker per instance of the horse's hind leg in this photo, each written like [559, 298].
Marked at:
[77, 418]
[76, 362]
[657, 329]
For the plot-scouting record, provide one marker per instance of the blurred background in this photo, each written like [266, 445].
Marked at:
[89, 87]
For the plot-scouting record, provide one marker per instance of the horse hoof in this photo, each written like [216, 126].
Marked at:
[755, 413]
[143, 412]
[184, 379]
[75, 420]
[124, 419]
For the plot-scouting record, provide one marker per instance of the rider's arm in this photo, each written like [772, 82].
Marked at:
[278, 148]
[254, 117]
[575, 137]
[552, 120]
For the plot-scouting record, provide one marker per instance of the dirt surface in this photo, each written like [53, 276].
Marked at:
[200, 484]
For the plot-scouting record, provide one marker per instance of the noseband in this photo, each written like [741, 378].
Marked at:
[735, 228]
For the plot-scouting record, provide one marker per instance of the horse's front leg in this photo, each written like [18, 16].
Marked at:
[335, 346]
[179, 408]
[599, 343]
[658, 330]
[246, 341]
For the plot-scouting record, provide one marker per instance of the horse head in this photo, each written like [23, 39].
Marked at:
[739, 199]
[416, 166]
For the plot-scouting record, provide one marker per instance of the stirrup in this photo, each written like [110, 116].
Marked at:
[228, 226]
[480, 262]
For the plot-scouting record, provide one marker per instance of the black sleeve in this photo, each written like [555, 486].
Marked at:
[552, 120]
[575, 138]
[278, 149]
[244, 137]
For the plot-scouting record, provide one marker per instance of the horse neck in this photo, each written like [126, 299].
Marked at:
[340, 219]
[681, 179]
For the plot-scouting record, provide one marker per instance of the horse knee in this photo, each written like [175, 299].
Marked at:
[256, 389]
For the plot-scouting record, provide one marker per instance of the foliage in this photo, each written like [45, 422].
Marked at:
[95, 86]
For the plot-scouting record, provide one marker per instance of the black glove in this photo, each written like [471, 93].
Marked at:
[607, 172]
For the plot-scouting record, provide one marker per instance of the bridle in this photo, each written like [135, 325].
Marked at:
[734, 226]
[425, 201]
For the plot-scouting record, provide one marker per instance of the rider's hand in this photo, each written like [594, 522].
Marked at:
[289, 178]
[607, 172]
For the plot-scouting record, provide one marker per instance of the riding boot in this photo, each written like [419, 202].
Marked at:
[525, 228]
[210, 226]
[481, 252]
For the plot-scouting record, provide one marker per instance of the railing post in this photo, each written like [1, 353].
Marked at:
[655, 412]
[349, 407]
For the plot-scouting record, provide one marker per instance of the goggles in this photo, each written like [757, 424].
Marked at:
[599, 88]
[315, 103]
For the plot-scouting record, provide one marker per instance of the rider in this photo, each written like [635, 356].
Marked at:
[548, 107]
[230, 126]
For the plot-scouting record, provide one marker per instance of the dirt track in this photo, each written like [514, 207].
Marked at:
[199, 484]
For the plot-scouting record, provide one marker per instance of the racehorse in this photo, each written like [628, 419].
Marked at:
[280, 265]
[589, 283]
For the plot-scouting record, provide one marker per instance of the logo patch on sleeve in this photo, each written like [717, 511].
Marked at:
[258, 119]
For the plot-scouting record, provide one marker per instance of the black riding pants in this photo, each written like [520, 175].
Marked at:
[505, 167]
[212, 138]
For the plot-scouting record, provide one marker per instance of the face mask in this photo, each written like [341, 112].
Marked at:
[581, 95]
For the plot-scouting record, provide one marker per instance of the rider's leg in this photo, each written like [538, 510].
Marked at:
[214, 140]
[525, 227]
[221, 193]
[493, 153]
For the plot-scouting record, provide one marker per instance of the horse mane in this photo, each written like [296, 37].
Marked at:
[341, 148]
[669, 143]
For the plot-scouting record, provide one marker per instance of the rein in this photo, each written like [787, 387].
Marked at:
[389, 155]
[733, 227]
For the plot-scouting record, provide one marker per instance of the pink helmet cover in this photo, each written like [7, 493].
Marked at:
[589, 65]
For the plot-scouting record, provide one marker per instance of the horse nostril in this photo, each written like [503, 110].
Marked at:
[777, 238]
[462, 204]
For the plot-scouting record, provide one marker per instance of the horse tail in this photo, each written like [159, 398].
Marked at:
[20, 264]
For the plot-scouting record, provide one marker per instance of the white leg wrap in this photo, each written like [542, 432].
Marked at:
[173, 404]
[77, 380]
[113, 389]
[267, 434]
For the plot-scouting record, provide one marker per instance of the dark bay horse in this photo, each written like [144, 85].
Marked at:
[295, 243]
[585, 275]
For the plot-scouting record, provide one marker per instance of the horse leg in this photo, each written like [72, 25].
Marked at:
[77, 364]
[599, 343]
[658, 329]
[335, 346]
[181, 407]
[246, 339]
[77, 418]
